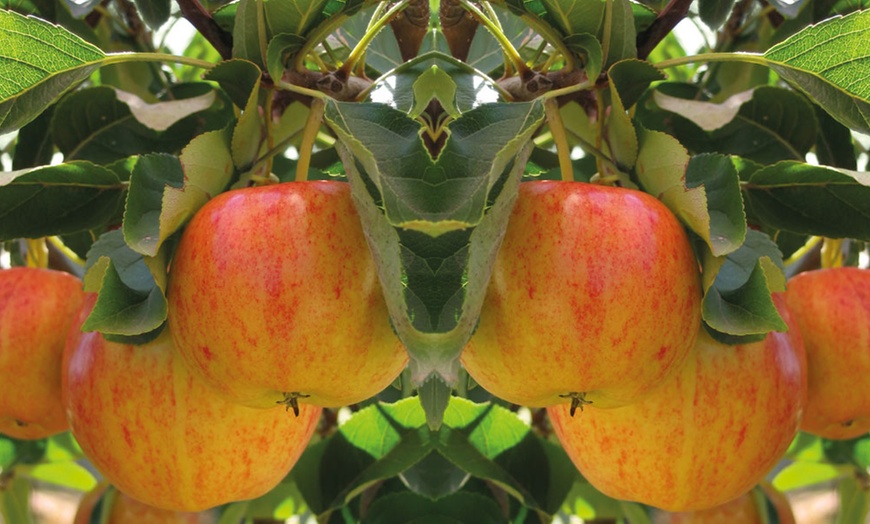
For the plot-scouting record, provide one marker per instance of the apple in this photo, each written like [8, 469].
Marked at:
[37, 307]
[832, 309]
[594, 297]
[123, 509]
[745, 509]
[274, 295]
[706, 436]
[162, 436]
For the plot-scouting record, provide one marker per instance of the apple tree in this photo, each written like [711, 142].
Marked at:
[122, 119]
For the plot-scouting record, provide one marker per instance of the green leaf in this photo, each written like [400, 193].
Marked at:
[542, 468]
[811, 200]
[246, 33]
[66, 474]
[573, 17]
[57, 200]
[296, 17]
[738, 303]
[766, 125]
[15, 501]
[628, 80]
[280, 49]
[589, 47]
[702, 191]
[155, 13]
[237, 78]
[434, 224]
[714, 12]
[130, 302]
[248, 132]
[111, 124]
[829, 62]
[38, 63]
[166, 191]
[834, 145]
[434, 477]
[35, 145]
[803, 474]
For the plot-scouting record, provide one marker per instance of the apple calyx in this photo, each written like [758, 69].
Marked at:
[291, 400]
[20, 423]
[578, 400]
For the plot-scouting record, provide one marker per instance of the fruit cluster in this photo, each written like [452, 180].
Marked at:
[593, 311]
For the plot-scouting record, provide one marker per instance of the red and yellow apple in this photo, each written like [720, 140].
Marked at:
[37, 307]
[745, 509]
[123, 509]
[832, 310]
[162, 436]
[706, 436]
[595, 293]
[273, 294]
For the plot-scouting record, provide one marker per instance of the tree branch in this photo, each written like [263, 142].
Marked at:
[667, 19]
[201, 19]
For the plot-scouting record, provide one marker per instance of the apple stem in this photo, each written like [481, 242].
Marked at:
[291, 400]
[578, 400]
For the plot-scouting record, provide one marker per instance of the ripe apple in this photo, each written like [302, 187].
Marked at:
[745, 509]
[595, 294]
[124, 509]
[162, 436]
[273, 295]
[709, 434]
[37, 307]
[832, 310]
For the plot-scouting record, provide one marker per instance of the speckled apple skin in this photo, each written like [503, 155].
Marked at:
[742, 510]
[832, 310]
[37, 307]
[709, 434]
[594, 289]
[162, 436]
[274, 290]
[127, 510]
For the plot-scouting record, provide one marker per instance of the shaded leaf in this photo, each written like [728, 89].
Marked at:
[130, 303]
[811, 200]
[714, 12]
[35, 145]
[829, 62]
[460, 507]
[834, 145]
[737, 302]
[155, 13]
[57, 200]
[38, 63]
[15, 501]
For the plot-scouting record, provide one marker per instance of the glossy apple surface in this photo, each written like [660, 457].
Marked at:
[162, 436]
[273, 290]
[37, 307]
[713, 431]
[124, 509]
[832, 309]
[594, 290]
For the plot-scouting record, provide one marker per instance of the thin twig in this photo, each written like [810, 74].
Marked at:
[667, 19]
[203, 22]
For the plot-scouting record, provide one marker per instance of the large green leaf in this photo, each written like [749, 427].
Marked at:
[812, 200]
[166, 191]
[573, 17]
[765, 125]
[457, 508]
[702, 191]
[434, 211]
[38, 63]
[830, 62]
[15, 501]
[57, 200]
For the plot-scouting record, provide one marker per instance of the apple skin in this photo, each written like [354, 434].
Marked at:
[162, 436]
[709, 434]
[832, 310]
[127, 510]
[594, 290]
[742, 510]
[37, 307]
[273, 290]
